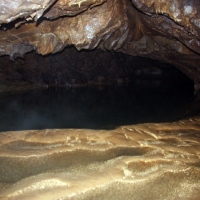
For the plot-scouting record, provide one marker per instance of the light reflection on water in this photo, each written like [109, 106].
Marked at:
[105, 107]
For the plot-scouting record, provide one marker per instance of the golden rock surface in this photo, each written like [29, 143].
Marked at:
[145, 161]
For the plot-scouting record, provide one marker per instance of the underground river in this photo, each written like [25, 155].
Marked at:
[134, 141]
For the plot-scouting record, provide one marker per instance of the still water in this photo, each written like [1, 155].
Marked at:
[103, 107]
[146, 161]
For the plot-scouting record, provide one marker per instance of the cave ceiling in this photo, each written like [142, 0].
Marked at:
[167, 31]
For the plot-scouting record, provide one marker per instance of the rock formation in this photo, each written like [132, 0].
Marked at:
[147, 161]
[167, 31]
[144, 161]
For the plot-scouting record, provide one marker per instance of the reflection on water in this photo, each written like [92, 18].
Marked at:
[96, 108]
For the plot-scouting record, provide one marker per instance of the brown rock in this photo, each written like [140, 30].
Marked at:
[165, 31]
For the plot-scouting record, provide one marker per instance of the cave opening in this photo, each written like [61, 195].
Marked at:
[91, 89]
[109, 121]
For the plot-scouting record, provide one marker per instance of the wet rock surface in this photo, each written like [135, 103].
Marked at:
[147, 161]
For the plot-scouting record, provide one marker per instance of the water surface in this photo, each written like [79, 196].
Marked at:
[103, 107]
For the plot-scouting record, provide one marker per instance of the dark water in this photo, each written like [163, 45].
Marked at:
[97, 107]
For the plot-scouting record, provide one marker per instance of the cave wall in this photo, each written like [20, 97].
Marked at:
[72, 68]
[165, 31]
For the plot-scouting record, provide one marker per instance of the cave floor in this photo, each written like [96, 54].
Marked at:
[144, 161]
[131, 141]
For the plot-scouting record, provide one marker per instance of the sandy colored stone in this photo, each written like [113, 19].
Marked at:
[147, 161]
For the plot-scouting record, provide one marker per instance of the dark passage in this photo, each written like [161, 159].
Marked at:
[124, 90]
[104, 107]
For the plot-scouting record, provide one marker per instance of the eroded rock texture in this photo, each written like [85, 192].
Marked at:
[147, 161]
[72, 68]
[168, 31]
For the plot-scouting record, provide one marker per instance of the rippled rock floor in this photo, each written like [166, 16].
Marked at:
[145, 161]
